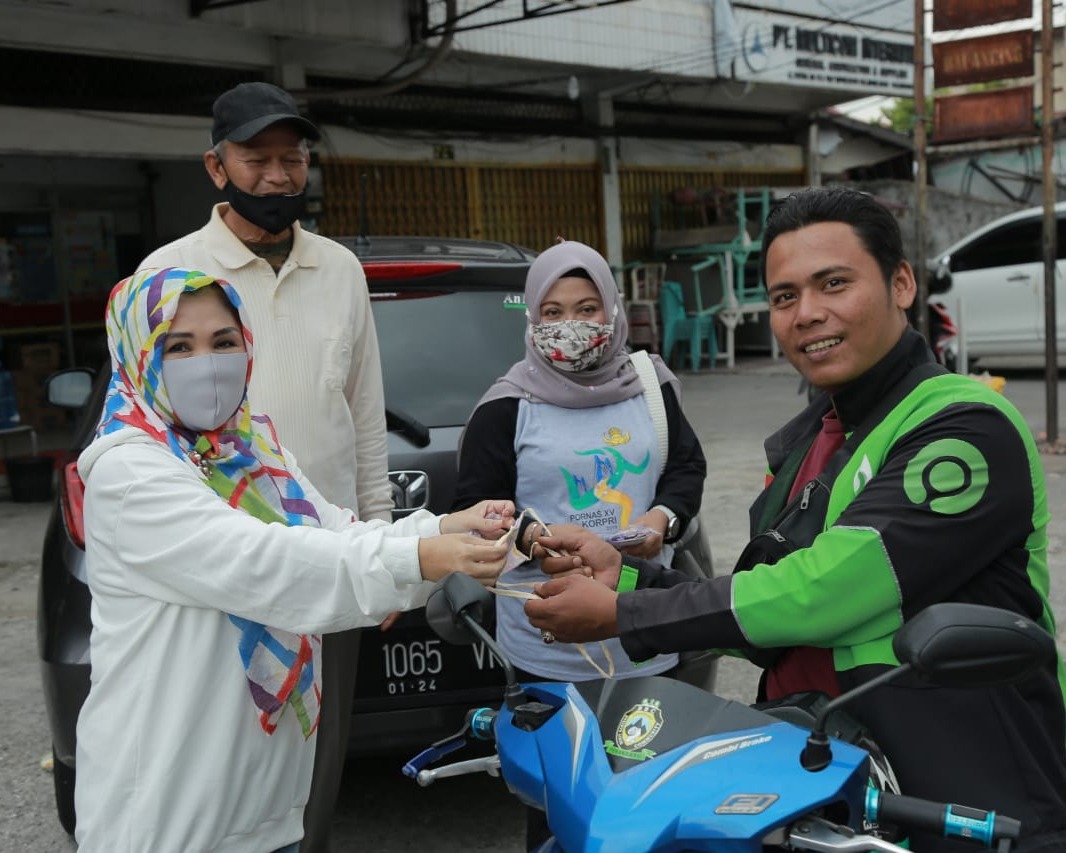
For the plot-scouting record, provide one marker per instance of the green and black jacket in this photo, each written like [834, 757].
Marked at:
[941, 498]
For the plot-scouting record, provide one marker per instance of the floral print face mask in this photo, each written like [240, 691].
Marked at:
[572, 345]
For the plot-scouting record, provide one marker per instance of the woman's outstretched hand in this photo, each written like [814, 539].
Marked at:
[489, 519]
[650, 547]
[482, 559]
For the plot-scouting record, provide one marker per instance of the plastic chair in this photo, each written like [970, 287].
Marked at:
[679, 326]
[645, 280]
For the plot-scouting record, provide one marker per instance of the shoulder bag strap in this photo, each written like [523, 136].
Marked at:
[653, 396]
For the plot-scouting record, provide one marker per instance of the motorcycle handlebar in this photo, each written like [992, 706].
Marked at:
[482, 723]
[945, 819]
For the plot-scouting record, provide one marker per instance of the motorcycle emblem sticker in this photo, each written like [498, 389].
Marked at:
[636, 729]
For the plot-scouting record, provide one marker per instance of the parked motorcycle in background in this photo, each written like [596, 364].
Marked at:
[943, 336]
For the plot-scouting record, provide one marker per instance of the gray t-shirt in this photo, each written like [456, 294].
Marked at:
[596, 467]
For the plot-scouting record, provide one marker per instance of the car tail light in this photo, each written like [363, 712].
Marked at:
[392, 271]
[72, 499]
[391, 295]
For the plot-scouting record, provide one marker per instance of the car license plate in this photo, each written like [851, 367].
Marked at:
[412, 662]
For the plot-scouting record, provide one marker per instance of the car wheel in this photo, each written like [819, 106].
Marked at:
[63, 779]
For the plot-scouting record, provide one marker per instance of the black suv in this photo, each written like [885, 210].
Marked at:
[450, 318]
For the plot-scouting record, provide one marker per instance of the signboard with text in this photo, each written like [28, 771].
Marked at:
[815, 53]
[961, 14]
[979, 60]
[983, 115]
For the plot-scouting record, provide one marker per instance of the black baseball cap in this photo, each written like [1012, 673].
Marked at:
[248, 108]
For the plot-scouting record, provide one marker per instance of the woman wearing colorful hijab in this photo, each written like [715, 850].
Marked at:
[568, 432]
[214, 565]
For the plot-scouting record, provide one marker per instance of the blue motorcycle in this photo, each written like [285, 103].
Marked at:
[652, 764]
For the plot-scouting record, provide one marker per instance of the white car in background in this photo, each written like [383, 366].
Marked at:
[992, 283]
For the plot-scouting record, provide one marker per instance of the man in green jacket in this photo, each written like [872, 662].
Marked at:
[901, 485]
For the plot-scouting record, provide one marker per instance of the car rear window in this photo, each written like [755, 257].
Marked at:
[441, 350]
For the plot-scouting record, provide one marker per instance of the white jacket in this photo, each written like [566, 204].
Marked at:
[171, 756]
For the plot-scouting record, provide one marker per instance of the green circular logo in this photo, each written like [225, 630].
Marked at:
[950, 475]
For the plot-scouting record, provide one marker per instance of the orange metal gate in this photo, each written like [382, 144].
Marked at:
[527, 205]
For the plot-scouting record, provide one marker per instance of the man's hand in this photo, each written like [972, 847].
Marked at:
[491, 519]
[575, 609]
[459, 552]
[584, 551]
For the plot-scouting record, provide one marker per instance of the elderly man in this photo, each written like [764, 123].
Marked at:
[317, 367]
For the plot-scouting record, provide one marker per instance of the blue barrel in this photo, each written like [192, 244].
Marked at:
[9, 413]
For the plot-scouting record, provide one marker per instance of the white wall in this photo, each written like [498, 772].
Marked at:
[664, 35]
[798, 43]
[81, 134]
[709, 155]
[343, 142]
[846, 151]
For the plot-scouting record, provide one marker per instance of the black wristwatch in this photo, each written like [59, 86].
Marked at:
[673, 523]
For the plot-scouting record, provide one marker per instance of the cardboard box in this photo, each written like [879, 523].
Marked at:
[31, 399]
[42, 418]
[41, 358]
[29, 390]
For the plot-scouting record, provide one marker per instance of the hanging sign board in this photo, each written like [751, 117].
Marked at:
[983, 115]
[960, 14]
[785, 49]
[978, 60]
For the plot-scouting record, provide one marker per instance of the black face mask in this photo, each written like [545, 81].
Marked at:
[273, 213]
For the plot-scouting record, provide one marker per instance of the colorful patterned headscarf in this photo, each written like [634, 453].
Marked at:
[241, 461]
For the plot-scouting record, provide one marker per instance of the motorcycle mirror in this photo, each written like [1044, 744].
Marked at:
[939, 279]
[971, 645]
[461, 611]
[953, 645]
[452, 596]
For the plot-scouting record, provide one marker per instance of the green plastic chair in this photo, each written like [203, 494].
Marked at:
[679, 326]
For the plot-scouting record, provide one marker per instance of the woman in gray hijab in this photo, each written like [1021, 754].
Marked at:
[568, 432]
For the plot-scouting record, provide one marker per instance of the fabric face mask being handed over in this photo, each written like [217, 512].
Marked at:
[205, 390]
[572, 345]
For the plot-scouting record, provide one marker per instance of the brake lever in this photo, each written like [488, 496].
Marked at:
[416, 766]
[814, 833]
[487, 764]
[478, 722]
[435, 752]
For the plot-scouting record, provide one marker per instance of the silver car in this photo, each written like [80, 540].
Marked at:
[992, 284]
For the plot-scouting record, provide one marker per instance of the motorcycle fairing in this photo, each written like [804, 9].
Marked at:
[721, 770]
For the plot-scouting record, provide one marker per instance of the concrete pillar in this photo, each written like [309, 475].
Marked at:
[814, 156]
[612, 202]
[599, 110]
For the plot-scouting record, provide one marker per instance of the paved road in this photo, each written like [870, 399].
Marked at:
[379, 809]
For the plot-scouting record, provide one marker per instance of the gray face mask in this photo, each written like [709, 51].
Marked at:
[205, 390]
